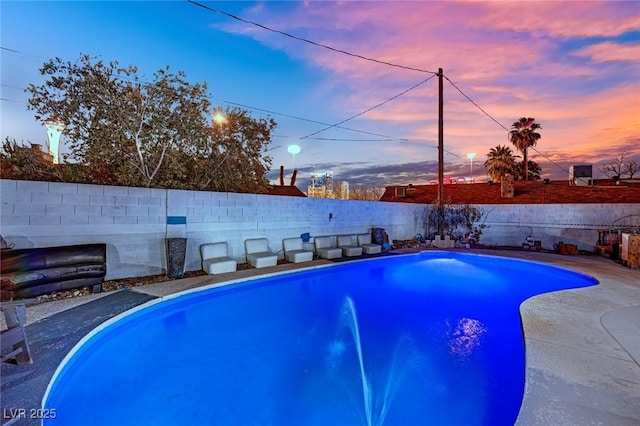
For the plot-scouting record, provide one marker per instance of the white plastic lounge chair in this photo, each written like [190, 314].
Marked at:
[324, 248]
[364, 241]
[349, 248]
[215, 258]
[294, 252]
[258, 253]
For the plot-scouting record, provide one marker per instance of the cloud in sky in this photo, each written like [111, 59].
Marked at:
[574, 66]
[611, 52]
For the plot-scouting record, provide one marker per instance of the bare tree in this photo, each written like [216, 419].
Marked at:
[618, 167]
[366, 192]
[630, 168]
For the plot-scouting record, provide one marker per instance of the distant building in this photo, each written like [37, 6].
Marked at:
[317, 192]
[343, 190]
[321, 185]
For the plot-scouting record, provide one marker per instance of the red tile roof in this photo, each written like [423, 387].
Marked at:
[291, 191]
[532, 192]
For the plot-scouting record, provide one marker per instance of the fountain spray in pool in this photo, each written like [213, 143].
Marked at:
[348, 313]
[404, 357]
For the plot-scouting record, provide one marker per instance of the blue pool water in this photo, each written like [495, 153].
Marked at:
[431, 338]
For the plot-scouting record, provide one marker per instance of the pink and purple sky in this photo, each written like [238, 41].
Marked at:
[572, 65]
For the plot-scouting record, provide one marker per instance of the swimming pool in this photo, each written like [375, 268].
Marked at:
[429, 338]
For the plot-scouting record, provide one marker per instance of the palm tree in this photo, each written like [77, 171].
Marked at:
[533, 170]
[500, 161]
[523, 135]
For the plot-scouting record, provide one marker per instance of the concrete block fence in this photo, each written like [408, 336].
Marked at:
[134, 222]
[578, 224]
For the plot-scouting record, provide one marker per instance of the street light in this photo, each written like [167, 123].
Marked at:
[218, 116]
[54, 130]
[293, 150]
[470, 156]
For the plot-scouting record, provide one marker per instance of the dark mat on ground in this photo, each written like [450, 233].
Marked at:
[50, 339]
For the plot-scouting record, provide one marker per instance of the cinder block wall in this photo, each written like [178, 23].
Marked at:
[577, 224]
[133, 221]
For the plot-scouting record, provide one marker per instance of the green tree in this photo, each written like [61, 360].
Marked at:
[25, 163]
[533, 169]
[500, 161]
[120, 127]
[126, 131]
[232, 158]
[21, 162]
[523, 135]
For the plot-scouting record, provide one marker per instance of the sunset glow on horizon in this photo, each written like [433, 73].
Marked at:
[573, 66]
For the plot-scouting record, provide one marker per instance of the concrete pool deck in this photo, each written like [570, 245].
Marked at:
[582, 345]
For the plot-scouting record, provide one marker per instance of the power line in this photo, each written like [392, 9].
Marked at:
[11, 86]
[341, 139]
[21, 53]
[329, 126]
[324, 46]
[370, 109]
[143, 82]
[311, 121]
[10, 50]
[475, 104]
[127, 78]
[388, 139]
[550, 160]
[500, 124]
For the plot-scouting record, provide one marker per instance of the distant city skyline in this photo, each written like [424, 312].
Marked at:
[352, 83]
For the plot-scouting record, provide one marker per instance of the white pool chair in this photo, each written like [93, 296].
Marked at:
[348, 246]
[364, 241]
[325, 250]
[258, 253]
[294, 252]
[215, 258]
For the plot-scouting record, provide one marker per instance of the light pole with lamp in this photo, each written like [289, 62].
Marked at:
[470, 156]
[54, 130]
[293, 150]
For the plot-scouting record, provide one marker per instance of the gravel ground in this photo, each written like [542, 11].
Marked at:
[123, 283]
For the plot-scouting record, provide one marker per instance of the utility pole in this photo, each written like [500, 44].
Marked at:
[440, 139]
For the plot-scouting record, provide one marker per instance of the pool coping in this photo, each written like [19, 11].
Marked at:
[582, 357]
